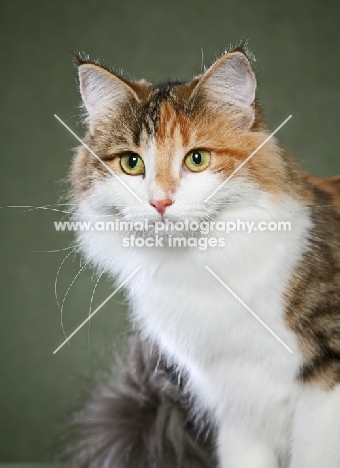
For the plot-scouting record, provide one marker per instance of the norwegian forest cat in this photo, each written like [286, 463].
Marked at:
[208, 384]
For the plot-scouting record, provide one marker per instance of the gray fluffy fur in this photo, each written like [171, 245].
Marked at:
[143, 420]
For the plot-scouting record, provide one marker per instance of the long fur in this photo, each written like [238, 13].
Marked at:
[140, 420]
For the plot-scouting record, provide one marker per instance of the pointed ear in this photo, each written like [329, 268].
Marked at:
[230, 82]
[102, 92]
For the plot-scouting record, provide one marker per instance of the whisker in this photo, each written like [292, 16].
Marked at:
[90, 310]
[60, 250]
[74, 249]
[33, 206]
[73, 213]
[55, 289]
[51, 251]
[82, 269]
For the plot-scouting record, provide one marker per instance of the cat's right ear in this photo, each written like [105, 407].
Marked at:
[102, 92]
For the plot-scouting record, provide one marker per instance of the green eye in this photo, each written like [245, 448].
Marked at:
[197, 160]
[132, 164]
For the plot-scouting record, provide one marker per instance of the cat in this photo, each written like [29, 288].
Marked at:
[173, 153]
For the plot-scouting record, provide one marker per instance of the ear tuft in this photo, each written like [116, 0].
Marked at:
[242, 46]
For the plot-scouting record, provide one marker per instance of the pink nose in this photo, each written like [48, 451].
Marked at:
[160, 205]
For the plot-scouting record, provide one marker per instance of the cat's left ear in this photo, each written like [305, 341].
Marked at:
[230, 83]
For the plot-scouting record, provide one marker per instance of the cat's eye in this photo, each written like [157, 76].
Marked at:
[132, 164]
[197, 160]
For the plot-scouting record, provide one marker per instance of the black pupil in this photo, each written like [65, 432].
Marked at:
[133, 159]
[197, 157]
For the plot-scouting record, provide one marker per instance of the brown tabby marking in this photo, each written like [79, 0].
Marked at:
[313, 310]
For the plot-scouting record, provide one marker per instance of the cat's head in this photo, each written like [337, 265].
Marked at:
[172, 145]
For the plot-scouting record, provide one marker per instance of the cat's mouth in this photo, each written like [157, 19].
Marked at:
[169, 226]
[148, 224]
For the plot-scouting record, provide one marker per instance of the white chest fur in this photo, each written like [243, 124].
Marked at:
[235, 365]
[232, 360]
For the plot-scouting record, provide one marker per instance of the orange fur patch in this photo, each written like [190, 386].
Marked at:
[177, 132]
[172, 135]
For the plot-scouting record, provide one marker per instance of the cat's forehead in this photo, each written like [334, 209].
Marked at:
[162, 131]
[165, 103]
[167, 117]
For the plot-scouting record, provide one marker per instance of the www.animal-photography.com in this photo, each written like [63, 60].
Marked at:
[170, 213]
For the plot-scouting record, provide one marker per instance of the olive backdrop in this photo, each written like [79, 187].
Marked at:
[297, 49]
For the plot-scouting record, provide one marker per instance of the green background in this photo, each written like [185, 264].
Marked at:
[297, 51]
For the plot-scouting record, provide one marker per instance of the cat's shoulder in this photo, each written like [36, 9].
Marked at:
[325, 190]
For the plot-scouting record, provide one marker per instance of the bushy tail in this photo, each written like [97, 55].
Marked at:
[142, 421]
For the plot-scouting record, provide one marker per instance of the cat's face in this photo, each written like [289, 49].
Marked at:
[172, 145]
